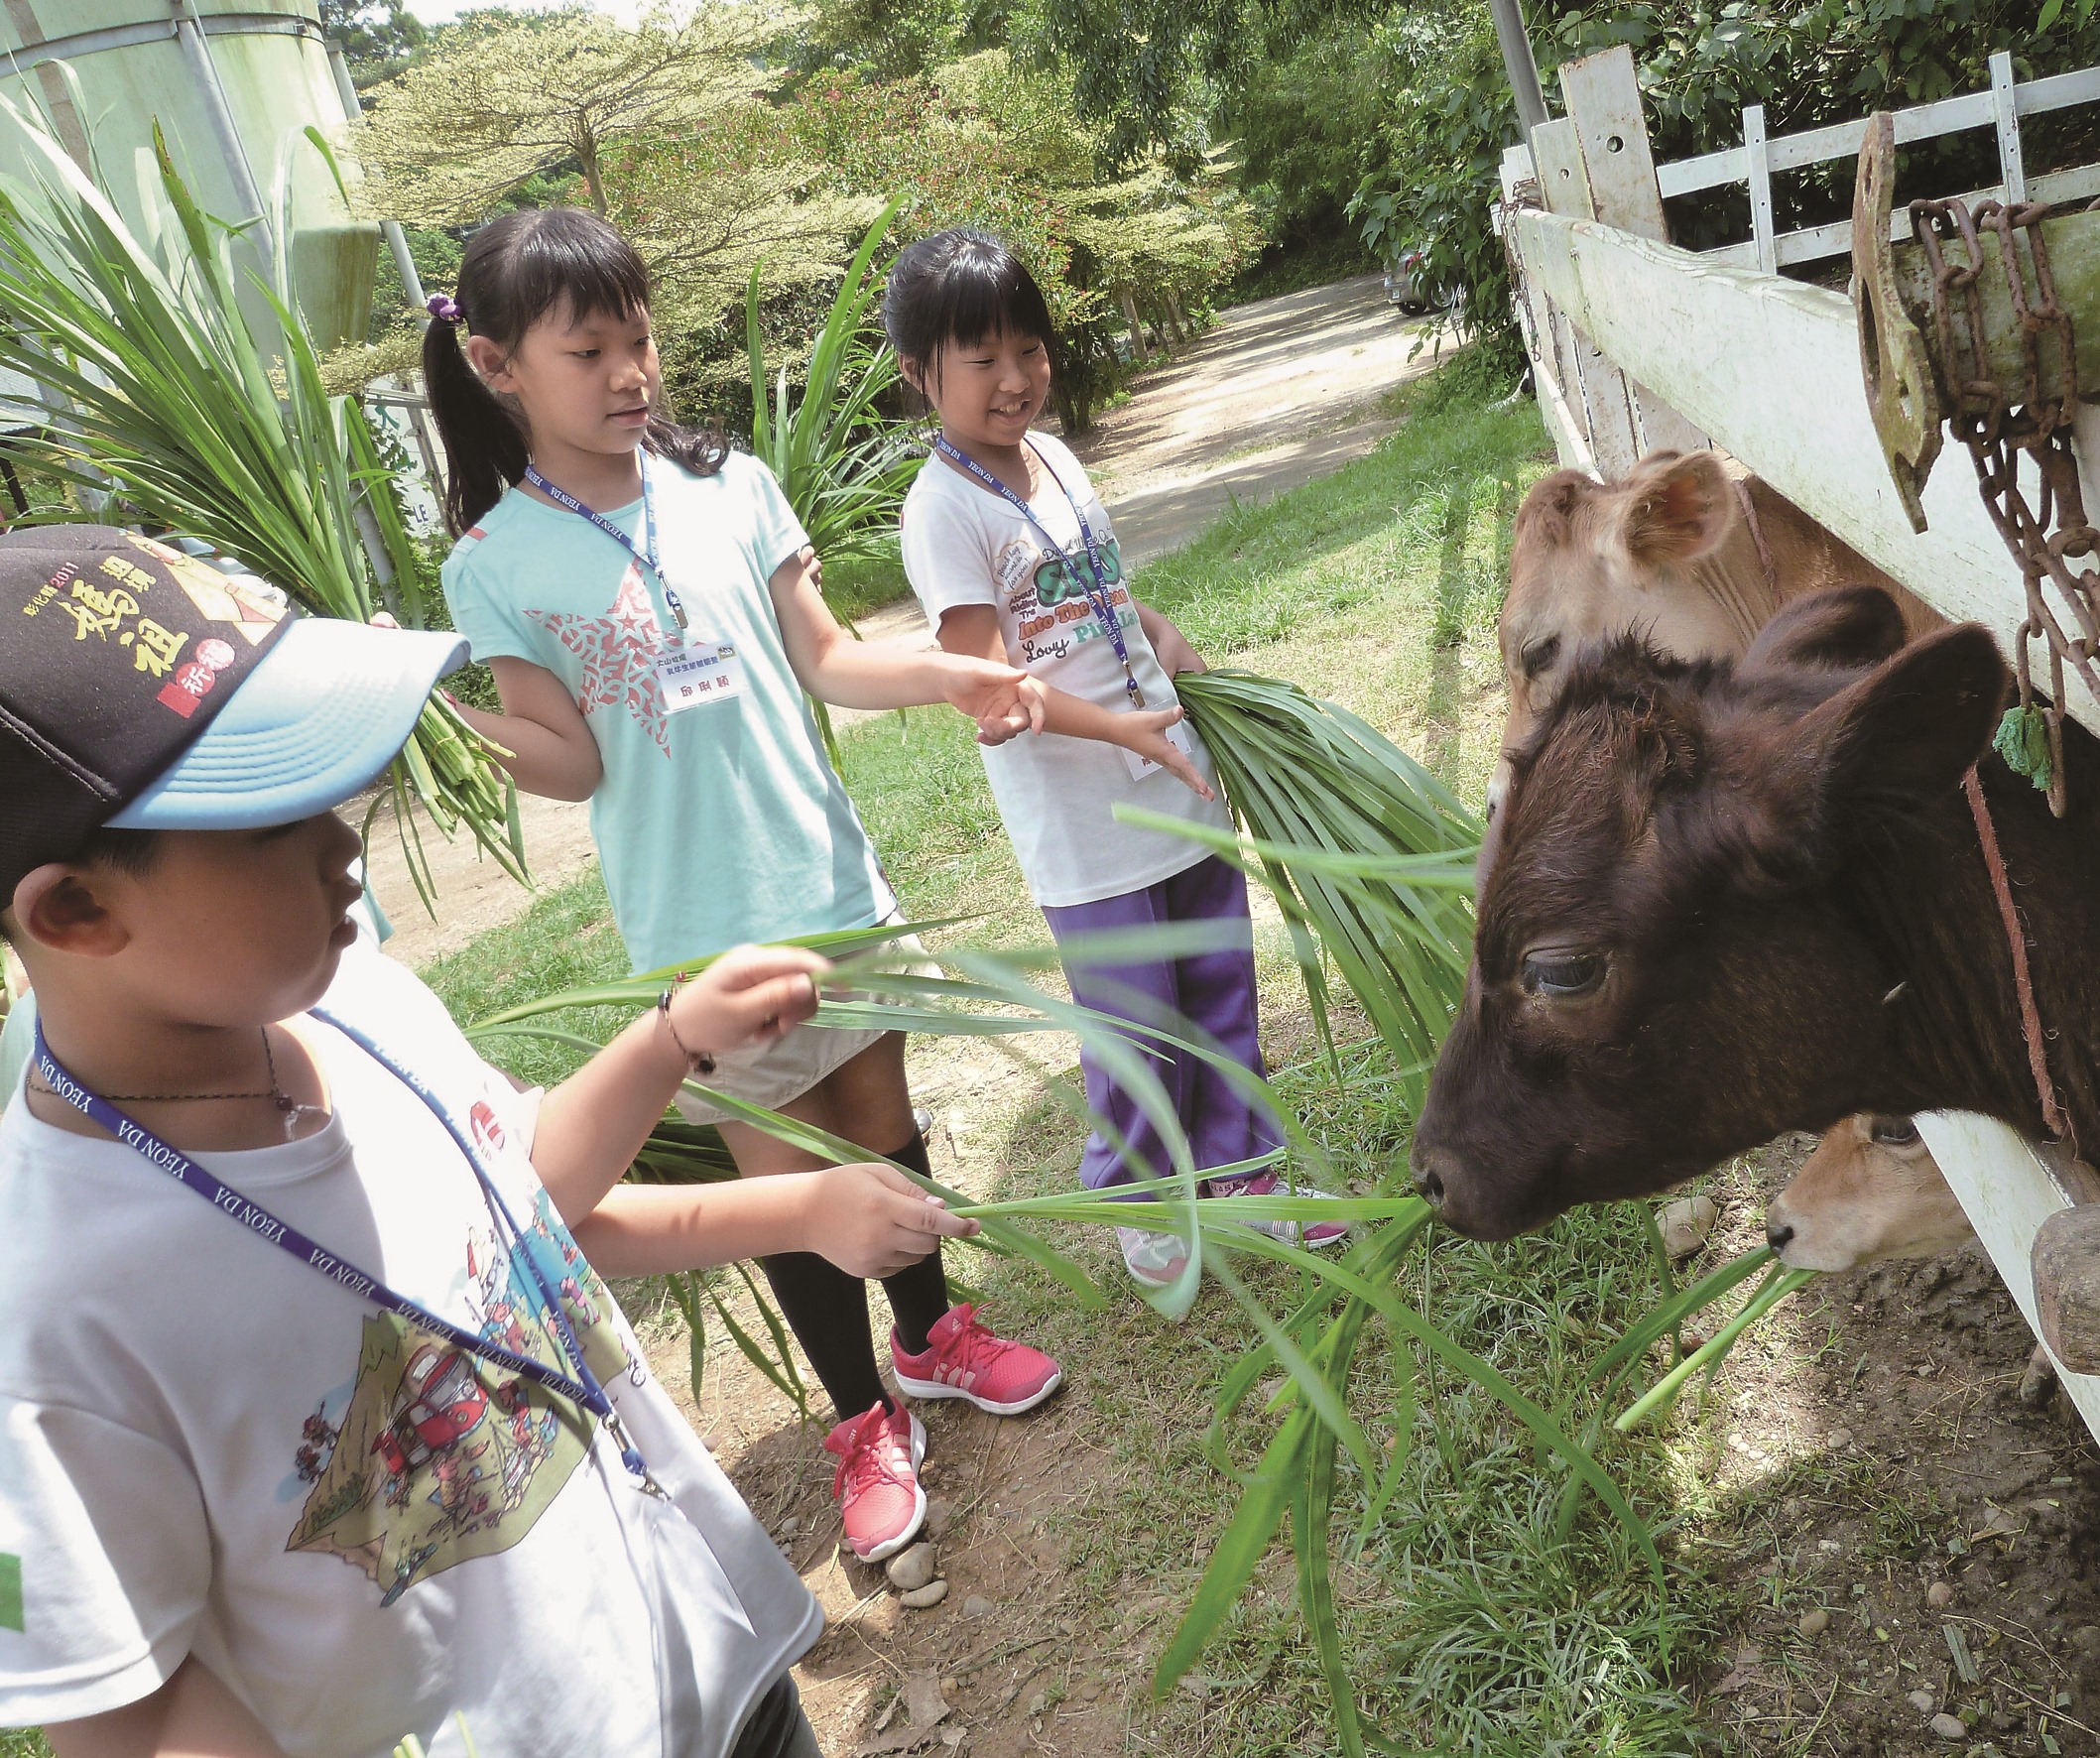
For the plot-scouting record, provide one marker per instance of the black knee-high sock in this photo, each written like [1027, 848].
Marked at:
[918, 1293]
[827, 1311]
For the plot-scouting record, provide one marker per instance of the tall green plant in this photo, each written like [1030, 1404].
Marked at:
[843, 466]
[1313, 1345]
[188, 392]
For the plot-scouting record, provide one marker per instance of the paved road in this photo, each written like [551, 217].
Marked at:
[1276, 393]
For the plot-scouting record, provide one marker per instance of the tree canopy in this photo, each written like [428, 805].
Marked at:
[500, 99]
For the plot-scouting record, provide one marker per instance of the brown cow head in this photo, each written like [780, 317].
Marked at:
[1666, 972]
[1871, 1191]
[1590, 560]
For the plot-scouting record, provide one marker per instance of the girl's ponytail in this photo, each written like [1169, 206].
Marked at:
[484, 447]
[699, 449]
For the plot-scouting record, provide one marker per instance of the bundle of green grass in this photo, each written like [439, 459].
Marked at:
[1369, 854]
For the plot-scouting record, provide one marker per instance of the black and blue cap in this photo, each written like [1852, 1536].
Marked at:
[143, 688]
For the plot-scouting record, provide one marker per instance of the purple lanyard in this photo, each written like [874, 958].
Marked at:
[584, 1390]
[1096, 591]
[645, 552]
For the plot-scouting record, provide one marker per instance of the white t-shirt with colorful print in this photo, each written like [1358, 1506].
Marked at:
[964, 544]
[208, 1448]
[717, 823]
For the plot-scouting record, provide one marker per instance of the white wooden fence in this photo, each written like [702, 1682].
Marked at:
[1636, 344]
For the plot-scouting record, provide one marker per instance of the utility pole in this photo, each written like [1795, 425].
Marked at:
[1517, 61]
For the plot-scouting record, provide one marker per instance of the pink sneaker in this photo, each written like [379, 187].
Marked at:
[877, 1486]
[964, 1361]
[1265, 1184]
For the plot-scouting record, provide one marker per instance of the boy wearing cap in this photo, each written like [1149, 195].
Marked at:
[316, 1426]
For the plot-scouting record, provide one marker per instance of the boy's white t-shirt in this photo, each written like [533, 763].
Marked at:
[208, 1448]
[964, 544]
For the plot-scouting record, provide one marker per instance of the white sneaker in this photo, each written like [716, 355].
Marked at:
[1154, 1259]
[1315, 1235]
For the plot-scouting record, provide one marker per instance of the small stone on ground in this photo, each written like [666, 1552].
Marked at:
[976, 1605]
[921, 1599]
[1949, 1727]
[911, 1569]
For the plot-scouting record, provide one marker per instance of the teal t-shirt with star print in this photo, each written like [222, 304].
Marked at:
[716, 823]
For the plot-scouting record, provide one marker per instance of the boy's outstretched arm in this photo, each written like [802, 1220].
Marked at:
[870, 1220]
[192, 1715]
[592, 1126]
[834, 668]
[974, 629]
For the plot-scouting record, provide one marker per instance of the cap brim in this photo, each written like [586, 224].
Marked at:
[316, 720]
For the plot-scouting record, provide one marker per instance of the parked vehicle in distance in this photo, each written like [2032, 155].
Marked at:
[1409, 286]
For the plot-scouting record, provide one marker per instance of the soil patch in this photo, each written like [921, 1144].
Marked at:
[1881, 1479]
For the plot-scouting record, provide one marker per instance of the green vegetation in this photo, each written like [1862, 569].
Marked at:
[1458, 1596]
[194, 403]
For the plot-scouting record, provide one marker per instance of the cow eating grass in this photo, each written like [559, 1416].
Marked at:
[1733, 898]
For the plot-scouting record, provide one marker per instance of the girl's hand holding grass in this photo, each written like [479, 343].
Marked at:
[871, 1220]
[749, 995]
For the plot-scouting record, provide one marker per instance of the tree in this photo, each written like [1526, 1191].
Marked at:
[378, 37]
[504, 97]
[981, 143]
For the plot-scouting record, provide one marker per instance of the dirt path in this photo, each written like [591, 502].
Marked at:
[1277, 393]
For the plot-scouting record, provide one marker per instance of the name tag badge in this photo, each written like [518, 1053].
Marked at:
[1140, 767]
[705, 671]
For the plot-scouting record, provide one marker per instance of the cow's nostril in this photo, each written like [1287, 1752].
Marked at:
[1778, 1233]
[1431, 1188]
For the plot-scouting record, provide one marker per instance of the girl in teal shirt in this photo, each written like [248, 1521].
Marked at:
[647, 604]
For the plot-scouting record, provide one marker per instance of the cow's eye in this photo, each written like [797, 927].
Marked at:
[1561, 975]
[1893, 1132]
[1538, 654]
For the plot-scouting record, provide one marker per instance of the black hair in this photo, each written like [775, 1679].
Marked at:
[960, 286]
[132, 852]
[516, 270]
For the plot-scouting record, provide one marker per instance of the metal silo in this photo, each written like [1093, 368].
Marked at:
[233, 83]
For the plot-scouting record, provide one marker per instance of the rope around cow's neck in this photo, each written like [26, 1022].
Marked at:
[2052, 1113]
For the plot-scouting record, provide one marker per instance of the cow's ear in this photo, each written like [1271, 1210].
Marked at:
[1846, 628]
[1907, 730]
[1680, 505]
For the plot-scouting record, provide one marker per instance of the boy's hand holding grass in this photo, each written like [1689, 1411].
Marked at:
[871, 1220]
[749, 995]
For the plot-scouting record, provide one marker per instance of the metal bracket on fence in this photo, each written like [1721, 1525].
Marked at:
[2003, 372]
[1902, 392]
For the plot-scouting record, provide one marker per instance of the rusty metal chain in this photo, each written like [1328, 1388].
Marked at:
[1524, 193]
[1998, 426]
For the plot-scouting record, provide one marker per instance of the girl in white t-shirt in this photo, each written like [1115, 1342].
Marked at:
[1013, 558]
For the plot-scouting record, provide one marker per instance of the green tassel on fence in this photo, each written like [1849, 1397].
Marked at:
[2023, 740]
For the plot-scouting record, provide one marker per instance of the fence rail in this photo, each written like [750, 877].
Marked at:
[1758, 156]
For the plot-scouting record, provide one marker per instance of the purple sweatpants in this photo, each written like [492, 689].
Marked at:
[1214, 990]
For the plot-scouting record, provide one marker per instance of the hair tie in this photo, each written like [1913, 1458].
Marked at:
[442, 306]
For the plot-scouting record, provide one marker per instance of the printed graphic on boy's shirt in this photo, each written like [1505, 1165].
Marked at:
[619, 651]
[434, 1456]
[1053, 613]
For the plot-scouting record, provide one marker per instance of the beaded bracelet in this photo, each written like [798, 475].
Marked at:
[697, 1062]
